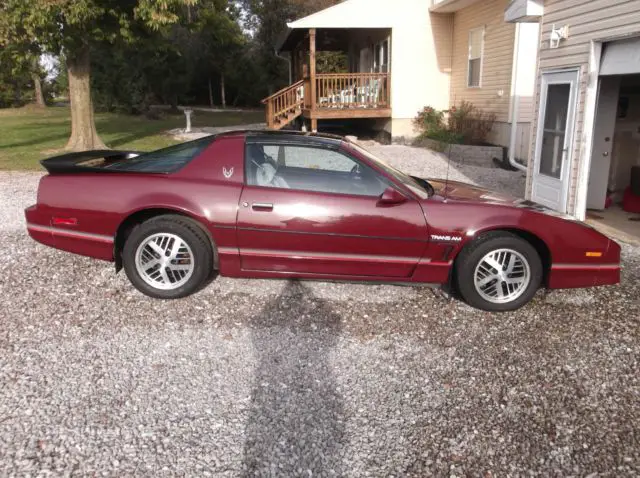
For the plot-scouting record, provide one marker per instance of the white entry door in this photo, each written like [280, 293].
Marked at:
[603, 132]
[554, 140]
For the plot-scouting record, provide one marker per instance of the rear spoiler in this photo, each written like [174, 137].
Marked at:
[86, 161]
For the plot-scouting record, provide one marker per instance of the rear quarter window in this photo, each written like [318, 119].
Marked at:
[167, 160]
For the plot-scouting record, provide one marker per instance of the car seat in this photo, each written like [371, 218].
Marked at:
[262, 170]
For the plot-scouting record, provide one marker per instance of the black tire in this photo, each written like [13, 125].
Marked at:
[471, 256]
[186, 230]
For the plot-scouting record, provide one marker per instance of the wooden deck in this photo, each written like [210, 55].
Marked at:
[336, 96]
[329, 96]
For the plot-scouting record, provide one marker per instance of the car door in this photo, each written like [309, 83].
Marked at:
[312, 209]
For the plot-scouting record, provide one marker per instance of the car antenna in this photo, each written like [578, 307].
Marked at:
[446, 182]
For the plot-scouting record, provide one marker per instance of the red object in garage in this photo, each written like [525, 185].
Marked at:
[631, 202]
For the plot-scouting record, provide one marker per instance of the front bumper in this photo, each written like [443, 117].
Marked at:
[605, 272]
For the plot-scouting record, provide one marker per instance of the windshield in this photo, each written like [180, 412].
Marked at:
[418, 186]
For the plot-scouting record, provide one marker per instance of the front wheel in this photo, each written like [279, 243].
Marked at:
[168, 257]
[498, 272]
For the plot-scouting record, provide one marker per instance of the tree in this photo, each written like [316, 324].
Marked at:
[22, 60]
[36, 77]
[220, 40]
[15, 79]
[71, 27]
[268, 19]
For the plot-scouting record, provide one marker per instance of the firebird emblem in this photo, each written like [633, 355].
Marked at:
[227, 172]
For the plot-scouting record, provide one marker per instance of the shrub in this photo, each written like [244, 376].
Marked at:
[464, 124]
[429, 120]
[470, 123]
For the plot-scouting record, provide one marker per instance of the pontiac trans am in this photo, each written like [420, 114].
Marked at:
[306, 206]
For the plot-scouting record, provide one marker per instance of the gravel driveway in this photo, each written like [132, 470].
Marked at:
[286, 378]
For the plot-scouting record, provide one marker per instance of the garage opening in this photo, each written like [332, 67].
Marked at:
[613, 196]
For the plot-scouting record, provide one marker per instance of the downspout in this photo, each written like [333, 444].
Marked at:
[515, 104]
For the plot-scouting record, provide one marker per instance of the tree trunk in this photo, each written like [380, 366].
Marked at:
[17, 95]
[174, 104]
[210, 94]
[38, 91]
[223, 99]
[83, 127]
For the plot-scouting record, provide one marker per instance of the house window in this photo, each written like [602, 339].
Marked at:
[476, 47]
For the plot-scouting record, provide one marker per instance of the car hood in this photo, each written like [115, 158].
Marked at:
[457, 191]
[463, 192]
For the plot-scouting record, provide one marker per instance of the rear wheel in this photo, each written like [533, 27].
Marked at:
[168, 257]
[498, 272]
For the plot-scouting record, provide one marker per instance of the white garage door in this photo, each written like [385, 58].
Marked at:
[621, 58]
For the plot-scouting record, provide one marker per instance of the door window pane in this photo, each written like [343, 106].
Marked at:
[554, 133]
[310, 169]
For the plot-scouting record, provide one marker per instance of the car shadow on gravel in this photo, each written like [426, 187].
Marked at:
[296, 417]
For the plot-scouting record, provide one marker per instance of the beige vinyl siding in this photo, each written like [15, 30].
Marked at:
[442, 28]
[497, 62]
[588, 20]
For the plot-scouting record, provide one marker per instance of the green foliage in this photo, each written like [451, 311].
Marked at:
[470, 123]
[15, 80]
[268, 19]
[332, 62]
[69, 25]
[429, 121]
[464, 124]
[176, 64]
[144, 52]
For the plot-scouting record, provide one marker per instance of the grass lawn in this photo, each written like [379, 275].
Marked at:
[28, 135]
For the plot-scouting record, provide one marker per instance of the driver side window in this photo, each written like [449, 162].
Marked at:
[310, 169]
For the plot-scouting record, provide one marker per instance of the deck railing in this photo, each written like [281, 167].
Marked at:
[284, 105]
[353, 90]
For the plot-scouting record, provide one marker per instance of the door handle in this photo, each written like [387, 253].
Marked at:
[262, 206]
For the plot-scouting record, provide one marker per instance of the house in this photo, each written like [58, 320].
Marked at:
[398, 63]
[493, 65]
[586, 130]
[404, 55]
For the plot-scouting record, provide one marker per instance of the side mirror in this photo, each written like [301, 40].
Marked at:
[390, 197]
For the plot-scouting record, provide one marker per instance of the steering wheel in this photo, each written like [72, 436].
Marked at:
[355, 171]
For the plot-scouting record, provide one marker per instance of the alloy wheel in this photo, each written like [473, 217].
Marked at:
[164, 261]
[502, 276]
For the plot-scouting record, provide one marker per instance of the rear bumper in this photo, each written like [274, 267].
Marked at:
[67, 238]
[35, 222]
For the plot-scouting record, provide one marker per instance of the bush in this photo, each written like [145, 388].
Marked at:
[470, 123]
[464, 124]
[430, 121]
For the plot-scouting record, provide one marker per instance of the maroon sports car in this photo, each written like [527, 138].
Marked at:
[307, 206]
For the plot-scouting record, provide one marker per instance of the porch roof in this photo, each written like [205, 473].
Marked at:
[350, 14]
